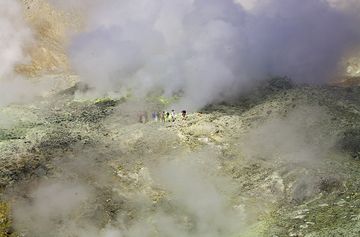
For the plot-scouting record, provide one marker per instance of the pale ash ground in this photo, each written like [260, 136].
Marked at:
[284, 159]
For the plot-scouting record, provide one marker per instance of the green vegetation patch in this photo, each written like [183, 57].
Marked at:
[7, 135]
[5, 222]
[15, 133]
[324, 217]
[279, 83]
[108, 102]
[350, 142]
[57, 139]
[84, 112]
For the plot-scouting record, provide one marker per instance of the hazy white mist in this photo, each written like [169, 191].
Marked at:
[210, 50]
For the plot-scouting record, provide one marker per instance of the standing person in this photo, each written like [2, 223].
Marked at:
[167, 117]
[183, 114]
[157, 116]
[173, 115]
[163, 116]
[142, 117]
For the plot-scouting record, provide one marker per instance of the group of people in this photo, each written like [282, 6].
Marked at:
[163, 116]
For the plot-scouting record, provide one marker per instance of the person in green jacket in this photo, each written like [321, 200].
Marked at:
[168, 117]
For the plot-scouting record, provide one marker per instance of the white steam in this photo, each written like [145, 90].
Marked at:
[192, 202]
[297, 139]
[209, 50]
[197, 194]
[47, 206]
[14, 35]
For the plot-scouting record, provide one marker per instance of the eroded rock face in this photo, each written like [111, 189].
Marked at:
[280, 173]
[51, 29]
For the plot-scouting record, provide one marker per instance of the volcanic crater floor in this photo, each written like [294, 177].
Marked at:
[283, 161]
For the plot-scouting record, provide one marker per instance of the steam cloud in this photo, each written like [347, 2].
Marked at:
[15, 36]
[210, 50]
[67, 207]
[297, 139]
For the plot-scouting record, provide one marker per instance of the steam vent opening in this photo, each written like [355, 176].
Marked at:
[179, 118]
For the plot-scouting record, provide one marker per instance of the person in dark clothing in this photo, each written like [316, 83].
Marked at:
[183, 114]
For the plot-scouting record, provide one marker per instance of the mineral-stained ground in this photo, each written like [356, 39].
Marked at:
[282, 160]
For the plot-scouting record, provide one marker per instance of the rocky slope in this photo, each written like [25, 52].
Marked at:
[284, 158]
